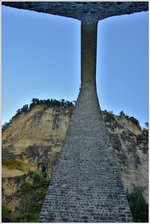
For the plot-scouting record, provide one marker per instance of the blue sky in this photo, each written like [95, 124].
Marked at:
[41, 59]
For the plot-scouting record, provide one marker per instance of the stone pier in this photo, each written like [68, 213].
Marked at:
[86, 185]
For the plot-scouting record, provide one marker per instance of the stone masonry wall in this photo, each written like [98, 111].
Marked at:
[86, 184]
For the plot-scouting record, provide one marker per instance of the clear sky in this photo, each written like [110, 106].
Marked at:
[41, 59]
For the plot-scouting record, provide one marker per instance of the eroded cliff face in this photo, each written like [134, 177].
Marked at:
[33, 141]
[130, 143]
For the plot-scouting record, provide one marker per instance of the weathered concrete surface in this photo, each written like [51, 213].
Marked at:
[82, 10]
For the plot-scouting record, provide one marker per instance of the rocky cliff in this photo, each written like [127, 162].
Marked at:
[32, 141]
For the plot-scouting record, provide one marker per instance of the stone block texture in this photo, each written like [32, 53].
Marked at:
[86, 184]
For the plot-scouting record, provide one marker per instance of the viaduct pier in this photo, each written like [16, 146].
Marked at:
[86, 185]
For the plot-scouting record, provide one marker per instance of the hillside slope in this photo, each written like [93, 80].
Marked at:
[31, 145]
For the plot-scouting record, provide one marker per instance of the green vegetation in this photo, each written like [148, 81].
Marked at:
[24, 189]
[32, 196]
[26, 217]
[138, 205]
[50, 103]
[36, 192]
[6, 214]
[37, 176]
[143, 139]
[38, 187]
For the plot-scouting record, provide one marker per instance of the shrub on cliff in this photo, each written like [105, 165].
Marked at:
[5, 214]
[138, 205]
[135, 121]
